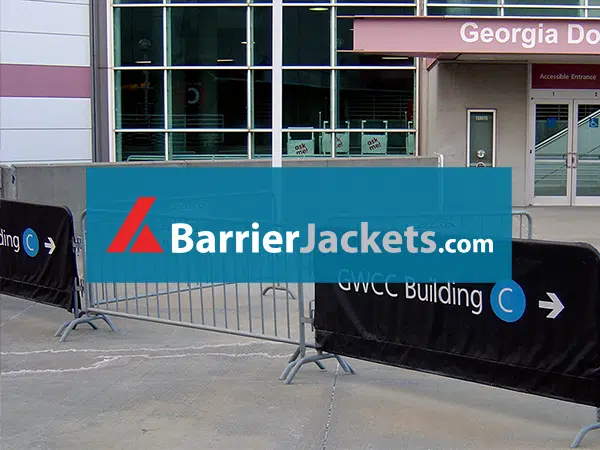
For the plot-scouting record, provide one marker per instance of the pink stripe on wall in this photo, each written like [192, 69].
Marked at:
[19, 80]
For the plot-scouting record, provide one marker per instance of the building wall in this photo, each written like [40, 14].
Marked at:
[455, 87]
[45, 81]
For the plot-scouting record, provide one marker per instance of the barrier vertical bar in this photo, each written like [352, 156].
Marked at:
[237, 305]
[202, 304]
[191, 305]
[80, 288]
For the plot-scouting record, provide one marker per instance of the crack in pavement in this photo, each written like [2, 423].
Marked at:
[106, 360]
[327, 425]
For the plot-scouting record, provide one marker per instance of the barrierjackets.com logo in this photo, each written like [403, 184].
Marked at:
[145, 242]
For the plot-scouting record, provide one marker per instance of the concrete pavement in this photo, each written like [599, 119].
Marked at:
[152, 386]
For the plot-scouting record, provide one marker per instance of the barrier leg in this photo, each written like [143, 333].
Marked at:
[305, 360]
[299, 357]
[91, 324]
[290, 364]
[344, 365]
[586, 429]
[62, 328]
[70, 326]
[278, 287]
[109, 322]
[293, 361]
[295, 367]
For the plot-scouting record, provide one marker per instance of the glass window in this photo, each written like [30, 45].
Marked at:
[206, 145]
[376, 99]
[243, 2]
[345, 38]
[305, 143]
[138, 36]
[461, 11]
[124, 2]
[207, 36]
[542, 12]
[306, 36]
[306, 98]
[544, 2]
[373, 143]
[465, 2]
[140, 147]
[208, 98]
[262, 29]
[594, 12]
[262, 106]
[139, 99]
[262, 143]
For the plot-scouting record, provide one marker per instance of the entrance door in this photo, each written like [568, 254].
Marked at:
[566, 153]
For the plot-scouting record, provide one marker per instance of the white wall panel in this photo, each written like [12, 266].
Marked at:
[27, 146]
[44, 49]
[43, 113]
[45, 17]
[454, 87]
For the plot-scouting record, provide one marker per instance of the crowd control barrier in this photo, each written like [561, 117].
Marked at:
[544, 343]
[536, 333]
[271, 312]
[524, 224]
[38, 250]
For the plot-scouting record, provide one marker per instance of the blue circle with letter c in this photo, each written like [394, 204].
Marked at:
[31, 243]
[508, 301]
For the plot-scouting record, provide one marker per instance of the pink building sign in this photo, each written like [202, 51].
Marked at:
[436, 36]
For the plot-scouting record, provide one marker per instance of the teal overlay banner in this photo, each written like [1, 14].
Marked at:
[301, 224]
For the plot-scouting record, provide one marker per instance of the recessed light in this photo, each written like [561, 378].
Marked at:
[224, 60]
[318, 8]
[143, 62]
[394, 57]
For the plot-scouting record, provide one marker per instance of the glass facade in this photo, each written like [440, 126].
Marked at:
[193, 80]
[514, 8]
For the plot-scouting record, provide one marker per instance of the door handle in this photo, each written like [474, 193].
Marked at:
[574, 159]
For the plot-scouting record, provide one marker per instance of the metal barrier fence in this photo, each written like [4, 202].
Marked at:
[272, 312]
[522, 224]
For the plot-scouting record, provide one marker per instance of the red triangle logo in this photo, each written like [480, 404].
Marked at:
[146, 242]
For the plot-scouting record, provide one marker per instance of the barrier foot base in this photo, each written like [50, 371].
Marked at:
[292, 362]
[583, 432]
[278, 287]
[65, 330]
[66, 324]
[293, 367]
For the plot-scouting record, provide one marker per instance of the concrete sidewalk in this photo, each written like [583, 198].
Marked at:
[152, 386]
[159, 387]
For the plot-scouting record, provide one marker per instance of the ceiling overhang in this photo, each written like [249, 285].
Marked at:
[480, 39]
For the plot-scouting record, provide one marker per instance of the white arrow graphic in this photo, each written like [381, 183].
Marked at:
[555, 305]
[50, 245]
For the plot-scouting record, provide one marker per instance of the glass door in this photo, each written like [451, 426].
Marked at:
[567, 153]
[586, 154]
[552, 151]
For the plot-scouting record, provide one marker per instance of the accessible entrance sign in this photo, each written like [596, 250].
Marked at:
[537, 333]
[37, 258]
